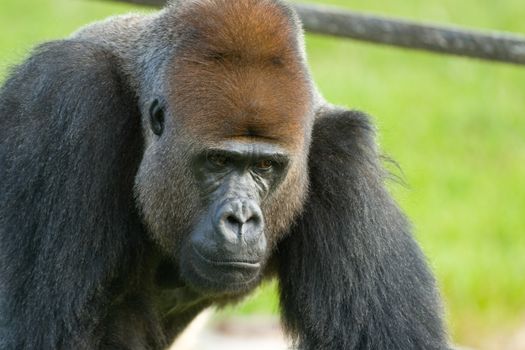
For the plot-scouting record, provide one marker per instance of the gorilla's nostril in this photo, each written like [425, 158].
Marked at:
[254, 220]
[232, 220]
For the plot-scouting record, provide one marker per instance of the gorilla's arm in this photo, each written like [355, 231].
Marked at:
[351, 276]
[70, 145]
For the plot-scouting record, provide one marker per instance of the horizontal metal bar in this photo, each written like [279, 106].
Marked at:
[486, 45]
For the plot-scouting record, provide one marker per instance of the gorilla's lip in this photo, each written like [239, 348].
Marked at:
[220, 277]
[255, 264]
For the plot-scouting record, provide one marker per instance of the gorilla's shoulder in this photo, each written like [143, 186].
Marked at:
[339, 129]
[113, 31]
[62, 60]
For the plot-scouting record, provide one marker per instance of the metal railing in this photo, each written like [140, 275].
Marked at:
[485, 45]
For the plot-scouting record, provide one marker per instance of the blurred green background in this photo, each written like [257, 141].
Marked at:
[456, 127]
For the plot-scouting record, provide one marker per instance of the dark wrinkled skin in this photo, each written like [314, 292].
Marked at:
[228, 247]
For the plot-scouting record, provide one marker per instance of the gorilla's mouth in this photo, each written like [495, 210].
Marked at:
[211, 276]
[241, 263]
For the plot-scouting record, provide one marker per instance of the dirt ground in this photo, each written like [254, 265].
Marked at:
[252, 333]
[510, 340]
[264, 333]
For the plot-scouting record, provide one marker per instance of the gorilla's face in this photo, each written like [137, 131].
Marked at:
[220, 201]
[228, 245]
[221, 206]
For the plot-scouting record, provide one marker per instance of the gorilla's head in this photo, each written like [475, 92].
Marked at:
[224, 170]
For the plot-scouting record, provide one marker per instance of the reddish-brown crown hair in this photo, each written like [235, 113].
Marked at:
[238, 72]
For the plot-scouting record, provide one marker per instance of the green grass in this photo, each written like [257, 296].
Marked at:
[456, 126]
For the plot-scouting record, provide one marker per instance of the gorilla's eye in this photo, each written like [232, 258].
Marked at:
[218, 160]
[156, 118]
[264, 165]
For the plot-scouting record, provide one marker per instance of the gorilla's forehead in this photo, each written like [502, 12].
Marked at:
[257, 28]
[238, 72]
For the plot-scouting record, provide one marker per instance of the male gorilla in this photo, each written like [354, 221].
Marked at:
[152, 166]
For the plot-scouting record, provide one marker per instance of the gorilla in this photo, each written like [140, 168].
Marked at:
[155, 165]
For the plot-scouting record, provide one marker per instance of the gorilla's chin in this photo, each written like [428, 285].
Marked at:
[210, 276]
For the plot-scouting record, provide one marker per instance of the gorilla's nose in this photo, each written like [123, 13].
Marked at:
[240, 221]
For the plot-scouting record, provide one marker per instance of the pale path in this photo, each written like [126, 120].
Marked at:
[261, 333]
[253, 333]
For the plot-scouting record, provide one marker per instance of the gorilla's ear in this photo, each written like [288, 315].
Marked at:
[351, 276]
[70, 145]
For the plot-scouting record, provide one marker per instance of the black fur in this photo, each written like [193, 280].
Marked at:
[70, 145]
[351, 275]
